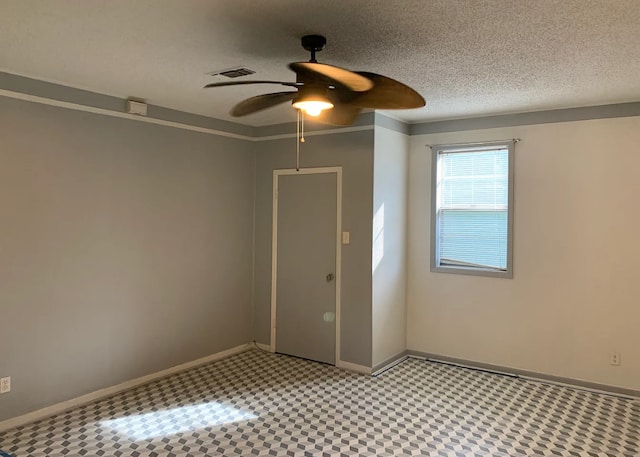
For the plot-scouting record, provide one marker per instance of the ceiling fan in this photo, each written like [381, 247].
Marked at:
[335, 95]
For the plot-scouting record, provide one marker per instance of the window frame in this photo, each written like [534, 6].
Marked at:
[436, 150]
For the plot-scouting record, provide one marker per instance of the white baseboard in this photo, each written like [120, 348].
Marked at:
[108, 391]
[353, 367]
[264, 347]
[390, 363]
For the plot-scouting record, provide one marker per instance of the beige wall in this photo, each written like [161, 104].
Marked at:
[389, 251]
[575, 293]
[125, 249]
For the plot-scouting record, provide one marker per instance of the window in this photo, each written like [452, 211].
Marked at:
[472, 209]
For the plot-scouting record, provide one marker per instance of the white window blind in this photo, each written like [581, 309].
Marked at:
[472, 208]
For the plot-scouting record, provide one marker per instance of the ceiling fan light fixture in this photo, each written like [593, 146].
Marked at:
[312, 105]
[320, 87]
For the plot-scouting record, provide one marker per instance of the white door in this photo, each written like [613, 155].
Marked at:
[306, 233]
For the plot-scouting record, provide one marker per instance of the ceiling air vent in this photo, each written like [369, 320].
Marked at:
[233, 72]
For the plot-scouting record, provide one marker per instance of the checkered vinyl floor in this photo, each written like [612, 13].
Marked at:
[261, 404]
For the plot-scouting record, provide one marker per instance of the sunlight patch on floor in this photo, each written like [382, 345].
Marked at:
[176, 420]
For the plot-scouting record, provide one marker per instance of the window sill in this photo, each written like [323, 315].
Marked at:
[470, 271]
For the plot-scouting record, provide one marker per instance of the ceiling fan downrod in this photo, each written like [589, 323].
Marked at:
[313, 44]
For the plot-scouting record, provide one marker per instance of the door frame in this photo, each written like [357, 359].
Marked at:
[274, 246]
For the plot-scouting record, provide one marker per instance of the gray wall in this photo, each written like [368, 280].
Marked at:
[125, 248]
[354, 152]
[390, 189]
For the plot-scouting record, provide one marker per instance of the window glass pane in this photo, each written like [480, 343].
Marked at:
[474, 178]
[472, 210]
[474, 237]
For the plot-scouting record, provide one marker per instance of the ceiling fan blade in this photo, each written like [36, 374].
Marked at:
[238, 83]
[340, 114]
[260, 102]
[387, 93]
[349, 79]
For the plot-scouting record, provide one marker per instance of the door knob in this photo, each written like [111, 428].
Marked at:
[330, 277]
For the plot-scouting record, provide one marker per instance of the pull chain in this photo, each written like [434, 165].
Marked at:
[299, 137]
[298, 142]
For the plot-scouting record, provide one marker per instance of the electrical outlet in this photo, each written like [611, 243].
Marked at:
[5, 385]
[614, 359]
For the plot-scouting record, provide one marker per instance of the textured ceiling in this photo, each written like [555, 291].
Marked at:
[466, 57]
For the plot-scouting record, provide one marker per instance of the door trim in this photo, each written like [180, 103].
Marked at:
[274, 247]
